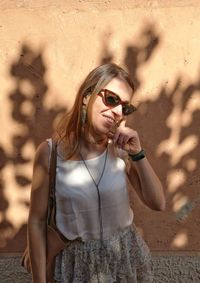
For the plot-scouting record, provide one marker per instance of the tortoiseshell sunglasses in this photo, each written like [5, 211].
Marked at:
[111, 99]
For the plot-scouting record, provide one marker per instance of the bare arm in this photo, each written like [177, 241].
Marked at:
[141, 174]
[38, 213]
[147, 184]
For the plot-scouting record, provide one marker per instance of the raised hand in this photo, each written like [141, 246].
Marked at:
[125, 138]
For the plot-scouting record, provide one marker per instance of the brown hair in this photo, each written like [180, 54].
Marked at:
[69, 128]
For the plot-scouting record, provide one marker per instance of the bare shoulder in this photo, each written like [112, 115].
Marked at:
[42, 154]
[40, 182]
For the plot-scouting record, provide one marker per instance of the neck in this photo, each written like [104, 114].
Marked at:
[91, 139]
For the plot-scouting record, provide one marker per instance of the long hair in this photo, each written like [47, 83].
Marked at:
[70, 126]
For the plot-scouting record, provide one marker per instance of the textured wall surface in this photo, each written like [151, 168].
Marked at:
[48, 47]
[167, 269]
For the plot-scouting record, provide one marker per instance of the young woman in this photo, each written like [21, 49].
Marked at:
[95, 155]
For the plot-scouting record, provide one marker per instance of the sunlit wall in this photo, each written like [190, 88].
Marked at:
[48, 47]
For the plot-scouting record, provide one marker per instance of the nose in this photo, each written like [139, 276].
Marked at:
[117, 110]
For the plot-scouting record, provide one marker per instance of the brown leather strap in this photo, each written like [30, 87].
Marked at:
[51, 216]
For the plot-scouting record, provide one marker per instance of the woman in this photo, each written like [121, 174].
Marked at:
[96, 151]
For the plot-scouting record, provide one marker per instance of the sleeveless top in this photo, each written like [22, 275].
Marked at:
[77, 210]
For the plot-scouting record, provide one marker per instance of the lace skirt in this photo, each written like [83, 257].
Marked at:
[123, 258]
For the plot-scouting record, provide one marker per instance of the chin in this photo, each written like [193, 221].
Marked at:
[101, 130]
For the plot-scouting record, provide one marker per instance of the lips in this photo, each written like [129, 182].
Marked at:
[109, 119]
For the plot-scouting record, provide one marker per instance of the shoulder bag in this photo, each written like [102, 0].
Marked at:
[55, 240]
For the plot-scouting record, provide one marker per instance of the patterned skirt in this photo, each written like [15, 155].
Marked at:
[123, 258]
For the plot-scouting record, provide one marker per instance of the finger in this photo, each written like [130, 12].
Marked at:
[116, 136]
[120, 140]
[122, 123]
[126, 140]
[126, 147]
[120, 135]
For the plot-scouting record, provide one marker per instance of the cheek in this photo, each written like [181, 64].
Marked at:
[96, 114]
[95, 109]
[92, 112]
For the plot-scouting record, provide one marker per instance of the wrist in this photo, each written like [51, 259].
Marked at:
[138, 156]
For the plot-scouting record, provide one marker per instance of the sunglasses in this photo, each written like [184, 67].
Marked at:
[111, 99]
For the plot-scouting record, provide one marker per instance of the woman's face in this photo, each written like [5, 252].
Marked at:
[102, 118]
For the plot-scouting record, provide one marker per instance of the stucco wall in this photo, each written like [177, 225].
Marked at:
[47, 48]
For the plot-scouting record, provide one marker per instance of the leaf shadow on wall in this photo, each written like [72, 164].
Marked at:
[30, 113]
[34, 123]
[169, 132]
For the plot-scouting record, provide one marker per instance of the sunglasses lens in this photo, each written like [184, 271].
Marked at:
[128, 109]
[111, 99]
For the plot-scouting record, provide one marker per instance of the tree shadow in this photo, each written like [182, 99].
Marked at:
[29, 113]
[173, 152]
[178, 166]
[136, 54]
[172, 147]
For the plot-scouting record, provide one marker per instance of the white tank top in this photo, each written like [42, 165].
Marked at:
[77, 211]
